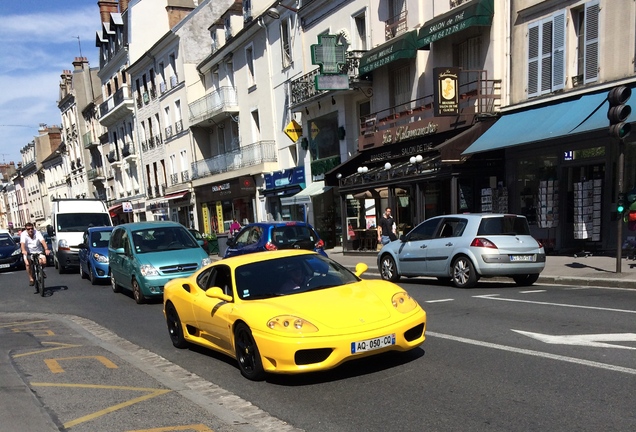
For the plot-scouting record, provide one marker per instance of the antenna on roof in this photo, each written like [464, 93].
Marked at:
[79, 43]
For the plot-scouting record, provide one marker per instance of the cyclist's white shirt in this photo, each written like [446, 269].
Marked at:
[32, 244]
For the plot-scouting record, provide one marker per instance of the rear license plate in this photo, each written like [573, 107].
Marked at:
[4, 265]
[521, 257]
[373, 344]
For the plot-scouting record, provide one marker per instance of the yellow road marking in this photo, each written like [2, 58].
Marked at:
[19, 323]
[62, 346]
[35, 332]
[152, 393]
[55, 367]
[195, 427]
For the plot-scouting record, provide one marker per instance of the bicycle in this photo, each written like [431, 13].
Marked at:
[37, 272]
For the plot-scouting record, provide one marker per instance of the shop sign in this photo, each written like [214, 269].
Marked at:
[446, 99]
[328, 54]
[293, 130]
[206, 218]
[402, 133]
[219, 216]
[127, 207]
[284, 178]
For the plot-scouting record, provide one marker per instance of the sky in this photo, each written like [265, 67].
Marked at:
[39, 40]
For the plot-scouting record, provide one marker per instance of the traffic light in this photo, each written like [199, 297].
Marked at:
[619, 112]
[620, 203]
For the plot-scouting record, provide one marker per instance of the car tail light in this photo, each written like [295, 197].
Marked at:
[270, 246]
[539, 243]
[483, 242]
[320, 244]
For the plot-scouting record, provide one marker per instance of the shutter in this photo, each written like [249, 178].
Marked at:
[558, 51]
[546, 57]
[533, 60]
[591, 42]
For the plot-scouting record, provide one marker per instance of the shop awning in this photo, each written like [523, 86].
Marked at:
[304, 196]
[401, 47]
[574, 116]
[113, 210]
[282, 191]
[176, 195]
[472, 13]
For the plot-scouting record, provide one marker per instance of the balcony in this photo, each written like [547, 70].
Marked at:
[395, 26]
[213, 105]
[249, 155]
[303, 89]
[158, 140]
[168, 132]
[117, 107]
[112, 157]
[103, 138]
[88, 140]
[128, 151]
[478, 96]
[185, 176]
[95, 174]
[178, 126]
[174, 179]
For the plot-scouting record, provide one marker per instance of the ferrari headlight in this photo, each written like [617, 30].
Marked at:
[403, 302]
[100, 258]
[148, 270]
[291, 324]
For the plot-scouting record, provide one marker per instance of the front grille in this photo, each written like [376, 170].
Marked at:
[178, 268]
[305, 357]
[414, 333]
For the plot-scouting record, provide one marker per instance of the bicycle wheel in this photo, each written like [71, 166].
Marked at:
[40, 279]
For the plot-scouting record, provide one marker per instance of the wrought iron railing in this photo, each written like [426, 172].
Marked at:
[395, 26]
[249, 155]
[213, 103]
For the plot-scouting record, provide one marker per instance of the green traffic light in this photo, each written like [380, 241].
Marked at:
[620, 208]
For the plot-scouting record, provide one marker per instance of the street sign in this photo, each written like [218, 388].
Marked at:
[127, 207]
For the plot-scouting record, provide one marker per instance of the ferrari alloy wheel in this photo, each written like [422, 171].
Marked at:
[113, 283]
[463, 271]
[247, 355]
[388, 269]
[525, 280]
[137, 294]
[174, 327]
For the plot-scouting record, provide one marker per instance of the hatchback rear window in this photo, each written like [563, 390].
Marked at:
[504, 225]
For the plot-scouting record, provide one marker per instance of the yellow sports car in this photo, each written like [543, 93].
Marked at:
[290, 311]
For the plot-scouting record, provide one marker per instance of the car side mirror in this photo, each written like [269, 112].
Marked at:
[216, 292]
[50, 231]
[120, 251]
[361, 268]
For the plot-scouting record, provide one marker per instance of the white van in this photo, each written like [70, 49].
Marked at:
[70, 218]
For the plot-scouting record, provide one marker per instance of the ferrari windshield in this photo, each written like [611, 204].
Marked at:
[290, 275]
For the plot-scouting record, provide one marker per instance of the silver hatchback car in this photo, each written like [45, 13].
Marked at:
[462, 248]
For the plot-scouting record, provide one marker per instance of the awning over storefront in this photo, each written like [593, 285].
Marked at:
[282, 191]
[401, 47]
[573, 116]
[113, 210]
[176, 195]
[304, 196]
[472, 13]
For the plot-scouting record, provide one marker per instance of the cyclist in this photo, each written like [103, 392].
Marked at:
[32, 241]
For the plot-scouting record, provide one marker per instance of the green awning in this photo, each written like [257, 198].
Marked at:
[401, 47]
[472, 13]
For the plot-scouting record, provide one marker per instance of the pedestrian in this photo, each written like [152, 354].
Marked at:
[32, 241]
[386, 228]
[234, 227]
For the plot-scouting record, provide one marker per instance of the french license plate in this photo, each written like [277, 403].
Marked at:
[4, 265]
[372, 344]
[521, 257]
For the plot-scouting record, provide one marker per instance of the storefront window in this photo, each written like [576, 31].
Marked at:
[531, 172]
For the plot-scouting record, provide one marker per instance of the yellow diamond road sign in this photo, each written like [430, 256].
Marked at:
[293, 130]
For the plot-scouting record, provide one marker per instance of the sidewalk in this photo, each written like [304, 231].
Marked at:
[560, 269]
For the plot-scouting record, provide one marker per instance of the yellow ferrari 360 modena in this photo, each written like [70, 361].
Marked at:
[290, 311]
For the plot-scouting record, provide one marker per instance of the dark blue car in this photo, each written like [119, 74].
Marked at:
[93, 254]
[10, 253]
[264, 236]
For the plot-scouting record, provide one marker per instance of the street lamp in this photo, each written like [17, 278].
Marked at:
[273, 13]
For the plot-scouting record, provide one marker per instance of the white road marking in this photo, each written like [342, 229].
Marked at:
[592, 340]
[438, 301]
[495, 297]
[533, 353]
[533, 291]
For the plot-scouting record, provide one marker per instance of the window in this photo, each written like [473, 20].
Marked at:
[546, 55]
[249, 61]
[401, 85]
[360, 22]
[586, 19]
[256, 126]
[467, 54]
[285, 40]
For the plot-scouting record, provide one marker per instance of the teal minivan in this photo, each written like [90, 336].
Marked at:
[144, 256]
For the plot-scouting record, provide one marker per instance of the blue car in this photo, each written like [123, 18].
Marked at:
[93, 254]
[10, 253]
[144, 256]
[264, 236]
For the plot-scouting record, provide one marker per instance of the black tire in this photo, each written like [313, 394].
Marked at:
[388, 268]
[175, 329]
[463, 273]
[247, 354]
[91, 276]
[137, 294]
[40, 282]
[81, 272]
[113, 284]
[525, 280]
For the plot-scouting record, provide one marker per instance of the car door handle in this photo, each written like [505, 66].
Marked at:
[424, 246]
[448, 244]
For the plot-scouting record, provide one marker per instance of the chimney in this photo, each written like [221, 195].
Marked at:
[123, 5]
[80, 63]
[106, 7]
